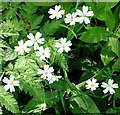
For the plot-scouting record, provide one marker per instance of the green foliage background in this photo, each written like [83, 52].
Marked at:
[95, 53]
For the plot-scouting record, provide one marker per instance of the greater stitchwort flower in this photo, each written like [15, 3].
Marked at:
[109, 87]
[23, 47]
[53, 78]
[91, 84]
[10, 83]
[35, 40]
[46, 73]
[57, 13]
[63, 45]
[84, 15]
[43, 53]
[71, 18]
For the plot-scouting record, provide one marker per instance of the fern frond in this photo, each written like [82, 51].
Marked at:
[8, 101]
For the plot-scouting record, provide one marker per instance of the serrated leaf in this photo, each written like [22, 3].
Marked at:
[36, 20]
[50, 27]
[8, 101]
[29, 86]
[94, 35]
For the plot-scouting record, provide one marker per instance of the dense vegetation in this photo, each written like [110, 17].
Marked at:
[60, 58]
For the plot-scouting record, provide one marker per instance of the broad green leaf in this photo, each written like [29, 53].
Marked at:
[8, 101]
[50, 27]
[115, 45]
[35, 21]
[94, 35]
[109, 20]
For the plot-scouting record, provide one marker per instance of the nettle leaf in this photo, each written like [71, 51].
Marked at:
[8, 101]
[35, 21]
[115, 45]
[93, 35]
[50, 27]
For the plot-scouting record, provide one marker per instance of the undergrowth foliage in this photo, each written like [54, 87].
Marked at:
[60, 58]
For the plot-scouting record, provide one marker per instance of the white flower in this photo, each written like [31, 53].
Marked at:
[71, 18]
[91, 84]
[63, 45]
[46, 73]
[10, 83]
[22, 48]
[43, 53]
[109, 87]
[53, 78]
[43, 106]
[57, 13]
[84, 14]
[34, 40]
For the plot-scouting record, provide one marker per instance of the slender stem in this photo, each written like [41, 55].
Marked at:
[70, 30]
[2, 75]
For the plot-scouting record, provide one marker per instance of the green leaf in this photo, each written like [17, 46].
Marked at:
[44, 3]
[20, 64]
[107, 55]
[35, 21]
[109, 19]
[29, 86]
[10, 54]
[91, 106]
[106, 5]
[30, 105]
[8, 101]
[50, 27]
[116, 66]
[115, 45]
[94, 35]
[80, 103]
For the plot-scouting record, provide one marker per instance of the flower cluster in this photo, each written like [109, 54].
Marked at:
[44, 53]
[108, 87]
[81, 16]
